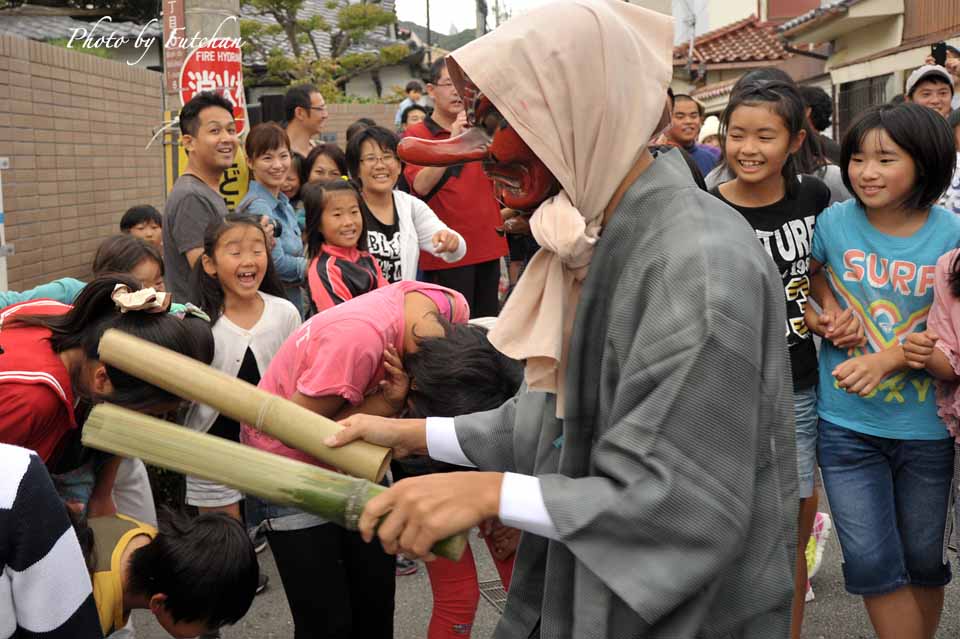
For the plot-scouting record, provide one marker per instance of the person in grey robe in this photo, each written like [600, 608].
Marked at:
[649, 457]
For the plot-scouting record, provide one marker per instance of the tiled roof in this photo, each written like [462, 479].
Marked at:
[827, 8]
[748, 40]
[45, 28]
[714, 90]
[374, 41]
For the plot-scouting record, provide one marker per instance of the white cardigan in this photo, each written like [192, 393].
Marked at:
[418, 224]
[279, 320]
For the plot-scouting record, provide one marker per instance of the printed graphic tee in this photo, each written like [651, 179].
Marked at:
[383, 243]
[785, 229]
[889, 283]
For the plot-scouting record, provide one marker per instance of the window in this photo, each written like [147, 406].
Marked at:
[856, 96]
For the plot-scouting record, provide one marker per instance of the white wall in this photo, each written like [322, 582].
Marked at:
[708, 14]
[398, 75]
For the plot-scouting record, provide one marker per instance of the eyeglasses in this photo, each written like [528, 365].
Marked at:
[321, 109]
[371, 160]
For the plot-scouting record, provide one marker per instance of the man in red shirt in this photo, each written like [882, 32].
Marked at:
[462, 196]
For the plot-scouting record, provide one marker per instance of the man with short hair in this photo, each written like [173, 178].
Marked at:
[931, 86]
[306, 112]
[686, 120]
[209, 135]
[463, 198]
[414, 91]
[952, 65]
[819, 110]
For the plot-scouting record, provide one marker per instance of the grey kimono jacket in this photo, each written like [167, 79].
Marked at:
[672, 480]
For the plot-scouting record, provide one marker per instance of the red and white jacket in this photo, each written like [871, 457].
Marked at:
[36, 395]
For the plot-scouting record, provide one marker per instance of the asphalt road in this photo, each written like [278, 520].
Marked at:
[832, 615]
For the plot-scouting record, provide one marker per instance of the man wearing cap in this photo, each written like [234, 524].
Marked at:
[952, 65]
[931, 86]
[649, 458]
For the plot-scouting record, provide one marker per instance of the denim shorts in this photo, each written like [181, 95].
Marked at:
[805, 417]
[889, 500]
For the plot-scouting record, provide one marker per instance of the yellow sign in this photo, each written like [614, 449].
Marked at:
[233, 184]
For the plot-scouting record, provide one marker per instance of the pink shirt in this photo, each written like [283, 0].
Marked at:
[340, 351]
[944, 320]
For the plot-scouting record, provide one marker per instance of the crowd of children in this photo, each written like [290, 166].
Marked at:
[310, 290]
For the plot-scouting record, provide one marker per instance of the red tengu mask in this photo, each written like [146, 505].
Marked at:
[520, 180]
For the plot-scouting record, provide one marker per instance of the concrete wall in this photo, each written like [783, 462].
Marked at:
[396, 75]
[74, 127]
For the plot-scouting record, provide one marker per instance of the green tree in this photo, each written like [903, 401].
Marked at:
[329, 73]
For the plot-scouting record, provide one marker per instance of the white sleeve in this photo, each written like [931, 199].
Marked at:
[426, 223]
[522, 506]
[521, 499]
[442, 443]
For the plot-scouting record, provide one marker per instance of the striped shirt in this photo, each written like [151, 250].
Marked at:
[45, 589]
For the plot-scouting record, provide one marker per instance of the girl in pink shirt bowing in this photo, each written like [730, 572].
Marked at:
[348, 360]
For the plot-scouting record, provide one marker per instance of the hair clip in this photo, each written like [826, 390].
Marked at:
[146, 299]
[190, 309]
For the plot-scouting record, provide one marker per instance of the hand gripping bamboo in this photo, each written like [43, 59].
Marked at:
[293, 425]
[335, 497]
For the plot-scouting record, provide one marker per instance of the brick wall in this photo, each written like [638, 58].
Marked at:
[340, 116]
[74, 127]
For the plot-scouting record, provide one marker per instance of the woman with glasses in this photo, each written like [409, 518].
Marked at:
[398, 225]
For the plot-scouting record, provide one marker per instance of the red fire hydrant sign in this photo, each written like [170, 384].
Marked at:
[216, 67]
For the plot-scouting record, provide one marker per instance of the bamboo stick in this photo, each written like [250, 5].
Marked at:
[335, 497]
[293, 425]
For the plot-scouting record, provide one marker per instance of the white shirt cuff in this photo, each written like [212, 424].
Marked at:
[442, 442]
[521, 506]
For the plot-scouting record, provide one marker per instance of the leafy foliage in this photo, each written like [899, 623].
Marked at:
[310, 63]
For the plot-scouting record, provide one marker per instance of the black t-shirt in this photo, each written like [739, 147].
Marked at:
[785, 230]
[224, 426]
[383, 241]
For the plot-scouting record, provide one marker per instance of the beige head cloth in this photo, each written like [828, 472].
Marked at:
[584, 84]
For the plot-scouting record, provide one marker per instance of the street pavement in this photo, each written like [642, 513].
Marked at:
[832, 615]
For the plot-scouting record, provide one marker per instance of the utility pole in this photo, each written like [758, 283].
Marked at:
[481, 18]
[429, 38]
[190, 18]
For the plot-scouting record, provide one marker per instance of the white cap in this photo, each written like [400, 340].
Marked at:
[711, 126]
[928, 71]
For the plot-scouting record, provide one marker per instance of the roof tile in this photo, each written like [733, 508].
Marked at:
[748, 40]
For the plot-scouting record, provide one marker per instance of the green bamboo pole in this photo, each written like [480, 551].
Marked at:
[294, 425]
[335, 497]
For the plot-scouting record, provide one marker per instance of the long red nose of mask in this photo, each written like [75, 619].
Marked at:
[472, 145]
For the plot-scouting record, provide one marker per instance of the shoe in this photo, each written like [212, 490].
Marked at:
[405, 566]
[809, 596]
[259, 539]
[822, 526]
[262, 583]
